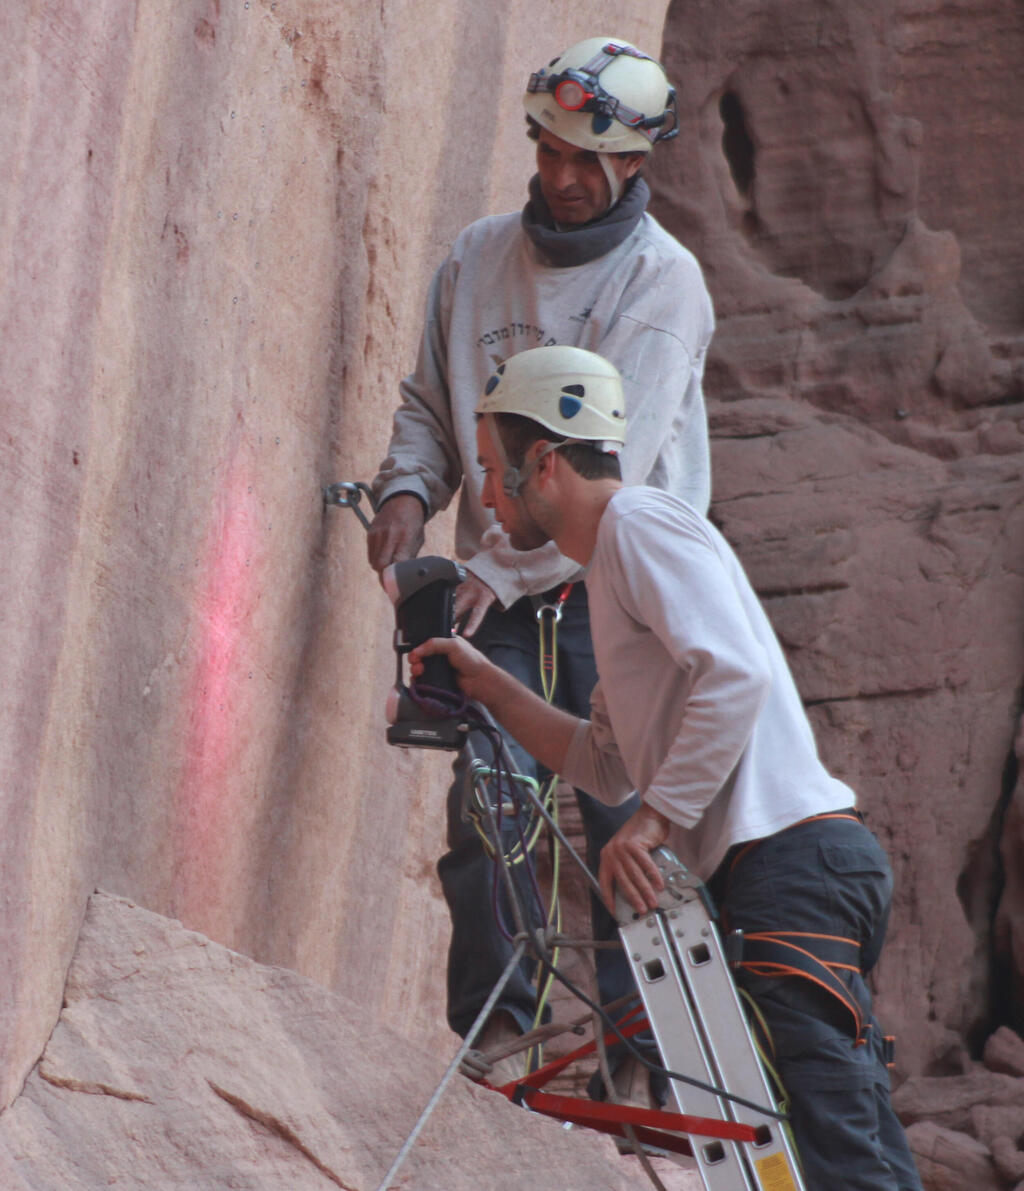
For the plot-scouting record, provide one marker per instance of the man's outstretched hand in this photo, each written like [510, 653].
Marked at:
[545, 731]
[626, 862]
[472, 599]
[396, 533]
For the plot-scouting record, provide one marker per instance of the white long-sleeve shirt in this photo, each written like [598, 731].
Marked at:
[695, 706]
[643, 305]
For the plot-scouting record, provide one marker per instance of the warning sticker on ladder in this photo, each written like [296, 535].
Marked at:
[774, 1174]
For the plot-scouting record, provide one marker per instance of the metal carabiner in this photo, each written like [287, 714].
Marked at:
[554, 609]
[347, 495]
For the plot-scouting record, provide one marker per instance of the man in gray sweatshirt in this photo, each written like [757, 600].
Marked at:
[584, 264]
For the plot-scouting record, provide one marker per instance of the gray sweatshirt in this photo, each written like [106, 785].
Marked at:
[643, 305]
[695, 707]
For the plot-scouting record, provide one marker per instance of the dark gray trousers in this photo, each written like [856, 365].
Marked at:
[827, 876]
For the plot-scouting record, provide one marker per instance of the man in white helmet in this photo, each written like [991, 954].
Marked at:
[695, 708]
[584, 265]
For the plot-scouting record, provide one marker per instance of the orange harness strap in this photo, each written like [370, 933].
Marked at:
[818, 958]
[815, 957]
[743, 849]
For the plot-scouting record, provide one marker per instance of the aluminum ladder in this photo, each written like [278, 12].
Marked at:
[695, 1014]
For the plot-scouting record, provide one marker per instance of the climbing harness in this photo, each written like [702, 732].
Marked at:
[819, 958]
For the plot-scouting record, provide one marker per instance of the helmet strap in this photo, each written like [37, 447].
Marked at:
[513, 478]
[614, 185]
[524, 473]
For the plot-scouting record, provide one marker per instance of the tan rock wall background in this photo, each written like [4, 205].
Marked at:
[219, 218]
[218, 222]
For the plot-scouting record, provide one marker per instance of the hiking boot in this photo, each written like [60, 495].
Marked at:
[633, 1085]
[500, 1031]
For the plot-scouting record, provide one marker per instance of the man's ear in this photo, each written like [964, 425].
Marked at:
[542, 456]
[634, 163]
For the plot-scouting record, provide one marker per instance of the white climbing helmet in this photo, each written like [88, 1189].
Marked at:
[605, 95]
[574, 393]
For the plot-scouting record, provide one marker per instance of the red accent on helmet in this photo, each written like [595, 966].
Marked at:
[572, 95]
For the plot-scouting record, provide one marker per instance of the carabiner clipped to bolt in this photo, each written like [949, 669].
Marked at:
[555, 609]
[347, 495]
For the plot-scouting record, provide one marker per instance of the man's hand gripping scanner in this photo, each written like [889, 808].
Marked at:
[428, 715]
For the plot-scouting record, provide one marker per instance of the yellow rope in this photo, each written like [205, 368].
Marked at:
[549, 800]
[762, 1032]
[549, 682]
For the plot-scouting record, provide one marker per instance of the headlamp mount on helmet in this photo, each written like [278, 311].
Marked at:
[579, 90]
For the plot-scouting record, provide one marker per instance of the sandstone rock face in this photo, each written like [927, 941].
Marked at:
[851, 207]
[179, 1063]
[1009, 921]
[218, 223]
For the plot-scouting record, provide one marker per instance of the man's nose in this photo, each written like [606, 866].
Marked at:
[565, 175]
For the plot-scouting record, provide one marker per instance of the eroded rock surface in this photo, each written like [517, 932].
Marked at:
[866, 389]
[217, 225]
[967, 1130]
[179, 1063]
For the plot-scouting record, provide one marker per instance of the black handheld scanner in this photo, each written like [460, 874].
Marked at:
[423, 593]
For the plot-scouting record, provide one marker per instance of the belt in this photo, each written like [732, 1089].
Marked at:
[737, 851]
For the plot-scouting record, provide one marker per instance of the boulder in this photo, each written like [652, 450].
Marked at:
[1004, 1052]
[1001, 1130]
[1008, 1158]
[949, 1100]
[951, 1161]
[179, 1063]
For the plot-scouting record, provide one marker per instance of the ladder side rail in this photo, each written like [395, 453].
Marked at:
[734, 1054]
[705, 971]
[677, 1031]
